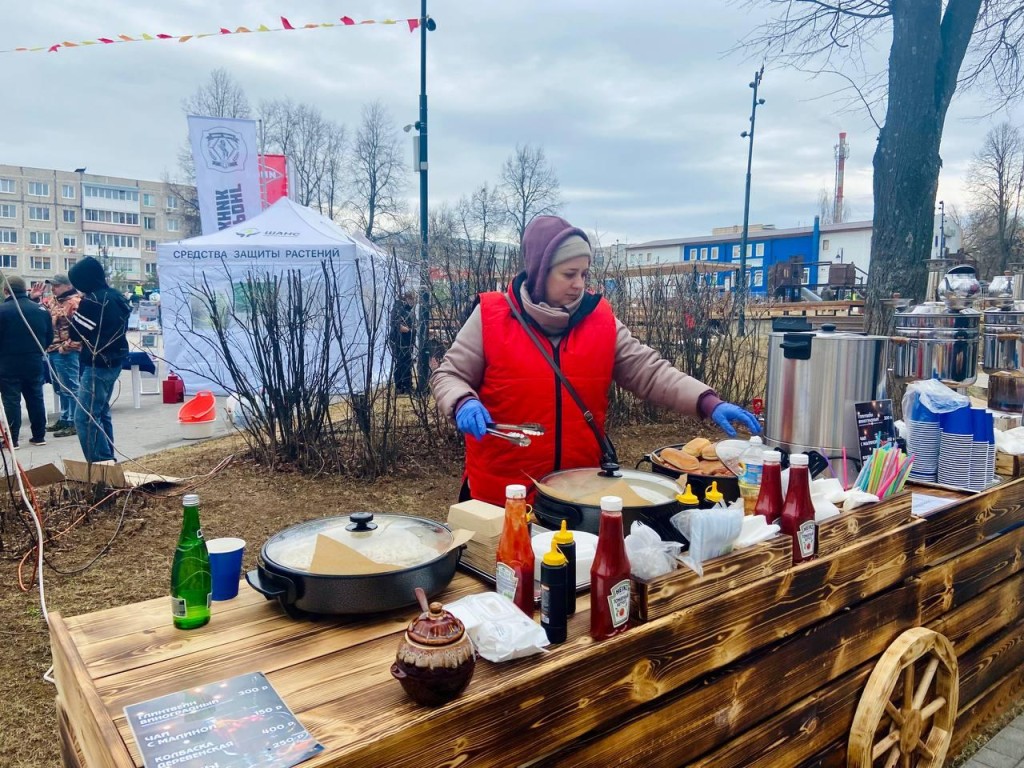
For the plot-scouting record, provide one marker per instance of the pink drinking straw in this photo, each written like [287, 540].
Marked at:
[846, 480]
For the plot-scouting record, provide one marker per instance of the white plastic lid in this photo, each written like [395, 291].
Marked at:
[798, 460]
[756, 440]
[771, 457]
[190, 500]
[515, 491]
[611, 503]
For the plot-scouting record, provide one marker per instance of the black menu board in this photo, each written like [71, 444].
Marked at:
[874, 425]
[236, 723]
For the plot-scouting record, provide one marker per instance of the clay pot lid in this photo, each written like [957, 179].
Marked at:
[435, 626]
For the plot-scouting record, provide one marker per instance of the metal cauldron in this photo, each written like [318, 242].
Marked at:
[934, 340]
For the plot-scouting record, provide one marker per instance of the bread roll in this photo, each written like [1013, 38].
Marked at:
[681, 460]
[708, 452]
[695, 446]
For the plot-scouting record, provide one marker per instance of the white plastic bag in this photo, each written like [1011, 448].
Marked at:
[498, 629]
[649, 556]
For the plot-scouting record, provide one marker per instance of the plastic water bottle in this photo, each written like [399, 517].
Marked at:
[752, 462]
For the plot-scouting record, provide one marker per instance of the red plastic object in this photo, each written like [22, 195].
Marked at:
[757, 405]
[202, 407]
[174, 389]
[609, 579]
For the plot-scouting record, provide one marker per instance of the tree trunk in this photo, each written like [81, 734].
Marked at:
[924, 60]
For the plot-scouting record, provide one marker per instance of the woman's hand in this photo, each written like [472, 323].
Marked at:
[472, 418]
[727, 412]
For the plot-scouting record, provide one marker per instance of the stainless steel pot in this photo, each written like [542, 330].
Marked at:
[283, 571]
[932, 340]
[1003, 339]
[814, 379]
[565, 489]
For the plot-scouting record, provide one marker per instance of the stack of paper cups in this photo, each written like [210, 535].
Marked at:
[956, 447]
[923, 440]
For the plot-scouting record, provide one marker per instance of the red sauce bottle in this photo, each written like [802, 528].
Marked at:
[769, 500]
[610, 584]
[797, 520]
[515, 562]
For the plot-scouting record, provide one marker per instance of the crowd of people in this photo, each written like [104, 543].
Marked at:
[72, 328]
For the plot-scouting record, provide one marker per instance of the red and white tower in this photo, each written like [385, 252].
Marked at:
[842, 152]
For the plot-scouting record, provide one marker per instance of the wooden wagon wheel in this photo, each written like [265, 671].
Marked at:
[906, 714]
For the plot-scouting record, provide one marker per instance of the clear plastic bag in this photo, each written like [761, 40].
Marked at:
[711, 533]
[649, 556]
[933, 395]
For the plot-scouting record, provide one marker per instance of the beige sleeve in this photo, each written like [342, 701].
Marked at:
[649, 376]
[462, 368]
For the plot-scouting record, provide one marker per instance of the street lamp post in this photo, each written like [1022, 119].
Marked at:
[741, 292]
[426, 25]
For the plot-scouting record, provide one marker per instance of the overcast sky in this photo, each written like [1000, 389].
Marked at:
[638, 105]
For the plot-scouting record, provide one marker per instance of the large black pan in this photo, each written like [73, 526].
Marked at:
[552, 508]
[729, 485]
[283, 574]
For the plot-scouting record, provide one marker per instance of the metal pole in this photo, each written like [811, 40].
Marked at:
[741, 283]
[942, 229]
[424, 360]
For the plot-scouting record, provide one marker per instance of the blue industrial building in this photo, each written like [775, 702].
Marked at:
[814, 247]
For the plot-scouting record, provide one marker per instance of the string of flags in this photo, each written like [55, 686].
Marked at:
[286, 26]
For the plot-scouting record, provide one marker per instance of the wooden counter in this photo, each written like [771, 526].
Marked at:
[766, 672]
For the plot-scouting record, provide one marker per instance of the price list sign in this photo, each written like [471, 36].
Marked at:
[236, 723]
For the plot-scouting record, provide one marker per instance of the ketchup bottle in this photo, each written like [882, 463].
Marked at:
[769, 500]
[609, 575]
[514, 568]
[797, 520]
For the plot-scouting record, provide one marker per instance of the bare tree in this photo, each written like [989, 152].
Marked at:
[377, 173]
[221, 96]
[996, 181]
[934, 46]
[313, 144]
[826, 206]
[480, 216]
[529, 187]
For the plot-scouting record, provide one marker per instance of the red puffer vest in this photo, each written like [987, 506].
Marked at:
[519, 386]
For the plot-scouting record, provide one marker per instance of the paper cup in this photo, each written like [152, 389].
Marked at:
[225, 566]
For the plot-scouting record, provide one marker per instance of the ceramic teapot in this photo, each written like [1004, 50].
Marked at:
[436, 657]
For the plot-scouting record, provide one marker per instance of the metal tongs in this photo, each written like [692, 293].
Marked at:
[517, 434]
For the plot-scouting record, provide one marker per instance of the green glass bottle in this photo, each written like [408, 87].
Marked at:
[190, 574]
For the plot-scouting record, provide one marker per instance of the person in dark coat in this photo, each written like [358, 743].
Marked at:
[100, 323]
[26, 330]
[401, 339]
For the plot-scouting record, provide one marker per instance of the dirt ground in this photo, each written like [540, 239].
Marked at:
[239, 500]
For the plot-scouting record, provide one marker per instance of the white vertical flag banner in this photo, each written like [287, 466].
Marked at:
[226, 160]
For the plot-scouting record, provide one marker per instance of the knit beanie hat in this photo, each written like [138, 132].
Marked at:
[547, 241]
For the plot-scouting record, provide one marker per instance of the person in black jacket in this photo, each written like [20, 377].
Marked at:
[100, 323]
[401, 338]
[26, 330]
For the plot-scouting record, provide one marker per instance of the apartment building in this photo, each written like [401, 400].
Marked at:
[50, 218]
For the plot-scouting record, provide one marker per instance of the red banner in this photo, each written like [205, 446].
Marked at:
[273, 178]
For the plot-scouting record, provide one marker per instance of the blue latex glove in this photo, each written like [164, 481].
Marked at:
[472, 418]
[727, 412]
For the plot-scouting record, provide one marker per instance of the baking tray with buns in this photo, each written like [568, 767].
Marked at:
[694, 463]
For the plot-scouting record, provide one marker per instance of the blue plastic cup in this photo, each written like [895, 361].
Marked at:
[957, 422]
[225, 566]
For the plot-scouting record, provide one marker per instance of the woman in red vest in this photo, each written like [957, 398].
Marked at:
[494, 372]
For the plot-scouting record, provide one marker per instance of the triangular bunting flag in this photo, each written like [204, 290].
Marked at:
[347, 21]
[286, 24]
[413, 24]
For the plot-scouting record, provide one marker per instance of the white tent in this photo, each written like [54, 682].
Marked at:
[214, 274]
